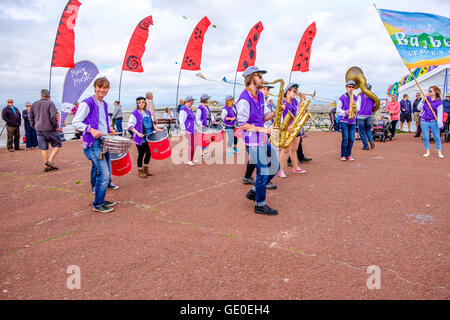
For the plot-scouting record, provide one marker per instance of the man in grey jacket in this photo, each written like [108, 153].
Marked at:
[117, 116]
[44, 118]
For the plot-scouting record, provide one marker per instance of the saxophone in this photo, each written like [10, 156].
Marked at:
[357, 75]
[276, 135]
[303, 115]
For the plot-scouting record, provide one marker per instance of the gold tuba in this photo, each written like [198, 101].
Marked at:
[357, 75]
[275, 137]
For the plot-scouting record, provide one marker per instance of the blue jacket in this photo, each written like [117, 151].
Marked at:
[405, 106]
[446, 104]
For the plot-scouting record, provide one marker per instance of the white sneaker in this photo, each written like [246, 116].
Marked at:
[440, 155]
[190, 163]
[426, 155]
[196, 161]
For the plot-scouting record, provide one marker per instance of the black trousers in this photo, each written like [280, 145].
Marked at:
[144, 154]
[392, 128]
[13, 137]
[419, 130]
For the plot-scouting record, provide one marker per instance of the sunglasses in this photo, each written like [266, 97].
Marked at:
[430, 91]
[351, 87]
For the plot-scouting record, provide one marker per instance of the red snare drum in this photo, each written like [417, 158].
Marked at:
[120, 164]
[237, 131]
[159, 145]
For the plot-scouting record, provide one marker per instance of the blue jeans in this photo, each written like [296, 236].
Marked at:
[426, 126]
[348, 136]
[267, 166]
[231, 138]
[31, 138]
[364, 126]
[119, 125]
[102, 172]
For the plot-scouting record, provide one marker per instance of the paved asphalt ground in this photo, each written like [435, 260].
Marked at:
[189, 232]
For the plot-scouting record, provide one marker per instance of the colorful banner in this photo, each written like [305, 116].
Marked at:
[421, 39]
[193, 54]
[248, 53]
[64, 48]
[303, 54]
[77, 80]
[136, 47]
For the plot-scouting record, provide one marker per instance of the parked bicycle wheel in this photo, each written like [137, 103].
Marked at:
[307, 125]
[324, 124]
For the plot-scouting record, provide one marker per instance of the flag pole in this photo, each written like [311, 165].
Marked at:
[50, 80]
[290, 75]
[120, 83]
[178, 87]
[234, 86]
[417, 83]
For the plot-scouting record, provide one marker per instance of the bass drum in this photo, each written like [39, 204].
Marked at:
[120, 164]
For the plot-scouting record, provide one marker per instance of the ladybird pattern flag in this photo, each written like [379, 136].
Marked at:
[193, 54]
[64, 48]
[136, 47]
[248, 53]
[303, 54]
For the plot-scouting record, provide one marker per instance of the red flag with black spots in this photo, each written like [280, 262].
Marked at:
[193, 54]
[136, 47]
[64, 48]
[301, 60]
[248, 53]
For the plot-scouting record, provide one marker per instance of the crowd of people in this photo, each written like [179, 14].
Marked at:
[253, 113]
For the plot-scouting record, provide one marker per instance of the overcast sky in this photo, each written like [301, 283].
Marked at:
[348, 33]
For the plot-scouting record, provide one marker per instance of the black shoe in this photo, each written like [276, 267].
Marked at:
[248, 181]
[305, 160]
[372, 145]
[103, 209]
[109, 204]
[265, 210]
[366, 148]
[47, 169]
[271, 186]
[11, 150]
[416, 135]
[19, 149]
[51, 165]
[113, 186]
[251, 195]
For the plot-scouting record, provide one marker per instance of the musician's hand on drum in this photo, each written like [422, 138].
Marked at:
[158, 129]
[95, 133]
[140, 135]
[111, 130]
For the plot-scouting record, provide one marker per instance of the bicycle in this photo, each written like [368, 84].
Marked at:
[320, 123]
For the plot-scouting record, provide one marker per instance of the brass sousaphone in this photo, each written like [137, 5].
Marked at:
[357, 75]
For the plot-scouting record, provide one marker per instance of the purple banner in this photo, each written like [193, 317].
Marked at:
[77, 80]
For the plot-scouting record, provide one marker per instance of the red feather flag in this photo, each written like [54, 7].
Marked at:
[136, 47]
[248, 54]
[301, 60]
[64, 48]
[193, 54]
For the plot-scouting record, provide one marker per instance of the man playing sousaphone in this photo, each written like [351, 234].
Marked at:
[92, 119]
[251, 117]
[347, 108]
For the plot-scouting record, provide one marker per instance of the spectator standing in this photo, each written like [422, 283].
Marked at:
[393, 108]
[417, 114]
[11, 115]
[44, 118]
[151, 106]
[117, 116]
[30, 133]
[405, 112]
[73, 112]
